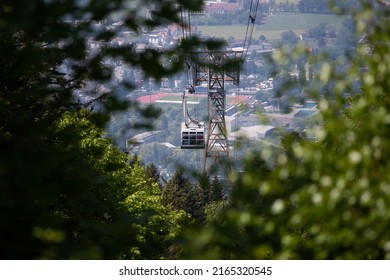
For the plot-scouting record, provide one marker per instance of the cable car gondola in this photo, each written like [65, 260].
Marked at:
[192, 137]
[192, 131]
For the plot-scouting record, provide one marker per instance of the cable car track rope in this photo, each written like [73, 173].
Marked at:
[254, 6]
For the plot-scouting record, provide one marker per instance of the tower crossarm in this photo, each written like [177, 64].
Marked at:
[216, 67]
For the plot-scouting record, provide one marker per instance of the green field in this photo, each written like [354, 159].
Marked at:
[283, 1]
[274, 26]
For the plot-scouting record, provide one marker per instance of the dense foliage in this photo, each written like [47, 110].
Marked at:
[66, 191]
[322, 199]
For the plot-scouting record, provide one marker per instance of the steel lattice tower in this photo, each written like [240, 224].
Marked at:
[210, 67]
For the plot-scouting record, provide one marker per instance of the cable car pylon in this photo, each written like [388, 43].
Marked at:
[210, 67]
[192, 130]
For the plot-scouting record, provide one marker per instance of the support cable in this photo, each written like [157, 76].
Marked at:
[249, 28]
[185, 18]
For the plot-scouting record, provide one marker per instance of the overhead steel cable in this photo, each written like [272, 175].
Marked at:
[185, 18]
[250, 26]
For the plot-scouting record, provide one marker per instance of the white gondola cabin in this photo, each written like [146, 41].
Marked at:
[193, 137]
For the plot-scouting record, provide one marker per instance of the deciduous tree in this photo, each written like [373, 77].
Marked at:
[61, 180]
[323, 199]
